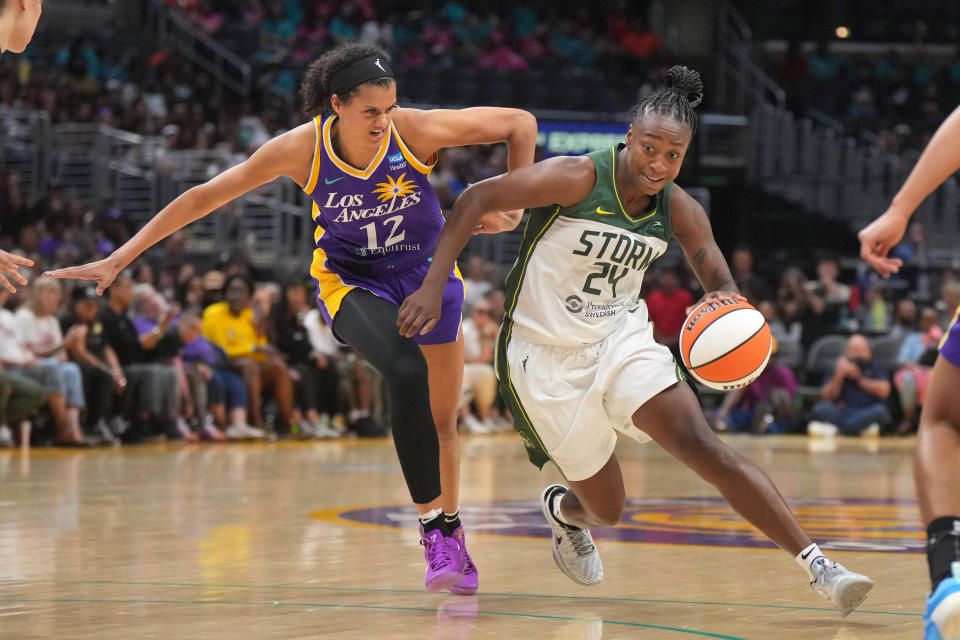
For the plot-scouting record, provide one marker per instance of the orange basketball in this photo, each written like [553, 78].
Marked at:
[725, 344]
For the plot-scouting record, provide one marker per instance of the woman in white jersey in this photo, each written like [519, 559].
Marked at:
[18, 21]
[576, 357]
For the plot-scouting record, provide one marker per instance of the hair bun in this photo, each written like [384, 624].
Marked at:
[686, 82]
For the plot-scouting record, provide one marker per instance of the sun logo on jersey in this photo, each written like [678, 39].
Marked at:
[392, 189]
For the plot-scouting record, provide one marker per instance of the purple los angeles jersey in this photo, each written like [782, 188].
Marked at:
[383, 217]
[376, 229]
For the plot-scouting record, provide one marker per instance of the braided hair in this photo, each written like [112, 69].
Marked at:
[682, 92]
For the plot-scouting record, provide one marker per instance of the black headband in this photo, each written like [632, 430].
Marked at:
[364, 70]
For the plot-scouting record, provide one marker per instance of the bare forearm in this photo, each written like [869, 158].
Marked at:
[832, 388]
[878, 388]
[522, 142]
[939, 161]
[712, 270]
[81, 355]
[456, 233]
[112, 360]
[187, 208]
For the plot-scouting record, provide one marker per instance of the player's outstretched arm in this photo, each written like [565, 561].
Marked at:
[562, 181]
[939, 161]
[10, 270]
[431, 130]
[288, 154]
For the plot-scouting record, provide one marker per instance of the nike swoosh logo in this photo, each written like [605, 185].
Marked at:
[804, 555]
[605, 213]
[329, 181]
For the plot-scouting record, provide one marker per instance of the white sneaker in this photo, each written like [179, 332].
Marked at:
[6, 437]
[844, 588]
[872, 431]
[819, 429]
[501, 424]
[472, 424]
[573, 548]
[322, 429]
[244, 432]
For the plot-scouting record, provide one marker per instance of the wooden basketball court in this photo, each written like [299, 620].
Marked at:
[316, 540]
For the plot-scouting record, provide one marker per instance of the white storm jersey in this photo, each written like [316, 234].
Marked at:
[581, 267]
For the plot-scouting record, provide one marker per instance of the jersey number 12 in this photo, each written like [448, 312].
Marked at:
[392, 238]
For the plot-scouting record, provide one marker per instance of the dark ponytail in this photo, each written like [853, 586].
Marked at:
[316, 89]
[681, 93]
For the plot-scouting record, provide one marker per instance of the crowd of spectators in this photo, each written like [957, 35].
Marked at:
[899, 98]
[186, 347]
[852, 353]
[281, 37]
[196, 346]
[180, 354]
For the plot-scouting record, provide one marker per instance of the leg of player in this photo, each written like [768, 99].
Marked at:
[938, 490]
[445, 365]
[595, 502]
[368, 324]
[675, 421]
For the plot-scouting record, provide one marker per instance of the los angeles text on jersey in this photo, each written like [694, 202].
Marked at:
[352, 206]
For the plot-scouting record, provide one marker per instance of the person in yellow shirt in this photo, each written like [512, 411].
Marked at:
[239, 329]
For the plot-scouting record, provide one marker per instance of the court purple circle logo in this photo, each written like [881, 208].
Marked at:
[859, 524]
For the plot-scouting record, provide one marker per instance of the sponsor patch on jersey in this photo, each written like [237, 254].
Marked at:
[396, 161]
[574, 304]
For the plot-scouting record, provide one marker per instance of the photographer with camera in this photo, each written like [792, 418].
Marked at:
[853, 401]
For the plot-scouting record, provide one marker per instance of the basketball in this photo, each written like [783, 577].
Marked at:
[725, 344]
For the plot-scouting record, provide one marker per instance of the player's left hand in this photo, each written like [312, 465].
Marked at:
[420, 311]
[878, 237]
[497, 221]
[713, 295]
[103, 272]
[10, 268]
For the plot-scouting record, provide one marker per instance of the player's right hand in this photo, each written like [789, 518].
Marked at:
[10, 268]
[878, 237]
[419, 312]
[103, 272]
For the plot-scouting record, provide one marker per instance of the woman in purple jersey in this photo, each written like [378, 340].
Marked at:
[938, 438]
[18, 21]
[365, 161]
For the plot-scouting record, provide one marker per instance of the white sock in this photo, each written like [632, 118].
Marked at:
[557, 512]
[807, 557]
[430, 515]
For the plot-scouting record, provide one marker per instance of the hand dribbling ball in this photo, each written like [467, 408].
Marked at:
[725, 344]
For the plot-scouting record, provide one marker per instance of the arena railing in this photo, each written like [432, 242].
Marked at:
[24, 148]
[842, 178]
[741, 82]
[175, 31]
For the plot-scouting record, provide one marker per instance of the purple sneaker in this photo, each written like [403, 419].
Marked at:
[467, 586]
[444, 560]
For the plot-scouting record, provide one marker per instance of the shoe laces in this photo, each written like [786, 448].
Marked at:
[461, 539]
[828, 572]
[580, 540]
[437, 551]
